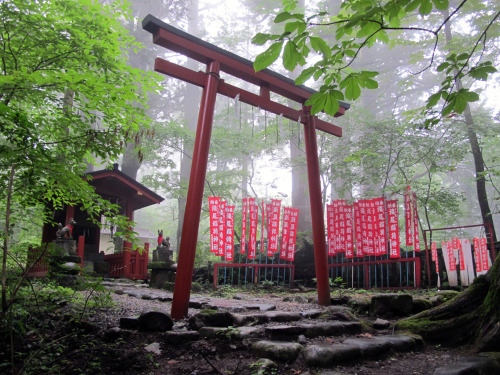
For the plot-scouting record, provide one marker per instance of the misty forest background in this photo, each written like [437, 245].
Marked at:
[453, 166]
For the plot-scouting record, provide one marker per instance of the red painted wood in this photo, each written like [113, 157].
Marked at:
[197, 49]
[189, 236]
[237, 67]
[80, 249]
[262, 101]
[315, 197]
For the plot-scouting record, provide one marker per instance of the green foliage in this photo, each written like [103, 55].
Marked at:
[67, 99]
[361, 24]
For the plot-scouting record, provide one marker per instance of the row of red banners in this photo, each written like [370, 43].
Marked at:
[222, 228]
[455, 245]
[365, 227]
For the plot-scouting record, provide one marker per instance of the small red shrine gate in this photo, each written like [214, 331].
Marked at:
[217, 60]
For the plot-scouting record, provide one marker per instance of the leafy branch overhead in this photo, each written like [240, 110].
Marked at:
[326, 47]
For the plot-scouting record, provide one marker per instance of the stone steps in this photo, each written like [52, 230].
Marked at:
[320, 343]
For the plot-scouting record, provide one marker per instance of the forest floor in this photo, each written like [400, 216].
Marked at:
[68, 345]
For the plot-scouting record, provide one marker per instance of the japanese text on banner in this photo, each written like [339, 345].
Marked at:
[230, 233]
[213, 203]
[292, 234]
[244, 225]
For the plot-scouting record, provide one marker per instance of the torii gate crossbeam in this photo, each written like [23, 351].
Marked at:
[218, 60]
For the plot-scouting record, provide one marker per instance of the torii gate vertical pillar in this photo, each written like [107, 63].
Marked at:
[189, 237]
[315, 197]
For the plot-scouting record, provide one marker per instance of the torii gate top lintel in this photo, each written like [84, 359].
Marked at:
[179, 41]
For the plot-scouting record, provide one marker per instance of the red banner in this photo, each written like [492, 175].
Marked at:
[416, 240]
[451, 256]
[335, 236]
[461, 256]
[364, 210]
[392, 219]
[244, 226]
[292, 234]
[358, 231]
[330, 229]
[380, 225]
[349, 238]
[342, 226]
[284, 233]
[213, 203]
[230, 233]
[435, 255]
[477, 255]
[262, 227]
[222, 227]
[484, 254]
[370, 218]
[408, 218]
[252, 238]
[274, 226]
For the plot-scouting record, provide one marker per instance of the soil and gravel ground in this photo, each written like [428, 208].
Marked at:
[221, 356]
[65, 344]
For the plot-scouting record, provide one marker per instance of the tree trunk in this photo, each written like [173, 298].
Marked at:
[477, 154]
[472, 317]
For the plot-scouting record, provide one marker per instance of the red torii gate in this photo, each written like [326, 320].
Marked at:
[217, 60]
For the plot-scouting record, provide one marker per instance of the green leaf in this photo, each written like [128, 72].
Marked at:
[261, 39]
[370, 83]
[460, 103]
[425, 7]
[482, 71]
[441, 4]
[267, 57]
[317, 102]
[291, 56]
[450, 106]
[285, 16]
[332, 105]
[305, 75]
[300, 26]
[412, 5]
[352, 89]
[433, 99]
[319, 45]
[469, 96]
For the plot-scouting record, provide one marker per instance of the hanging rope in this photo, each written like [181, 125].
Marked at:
[237, 108]
[253, 120]
[298, 128]
[265, 126]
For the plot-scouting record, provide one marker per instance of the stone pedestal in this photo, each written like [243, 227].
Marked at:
[163, 254]
[161, 272]
[68, 246]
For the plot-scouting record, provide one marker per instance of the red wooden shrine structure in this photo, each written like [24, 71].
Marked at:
[130, 195]
[218, 60]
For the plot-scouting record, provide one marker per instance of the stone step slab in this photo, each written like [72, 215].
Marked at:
[471, 366]
[312, 330]
[277, 350]
[326, 355]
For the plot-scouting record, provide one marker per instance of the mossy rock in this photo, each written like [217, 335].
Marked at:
[168, 285]
[448, 294]
[196, 287]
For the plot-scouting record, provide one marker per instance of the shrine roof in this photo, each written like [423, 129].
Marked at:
[114, 183]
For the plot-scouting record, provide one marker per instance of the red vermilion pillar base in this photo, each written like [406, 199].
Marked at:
[189, 236]
[315, 197]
